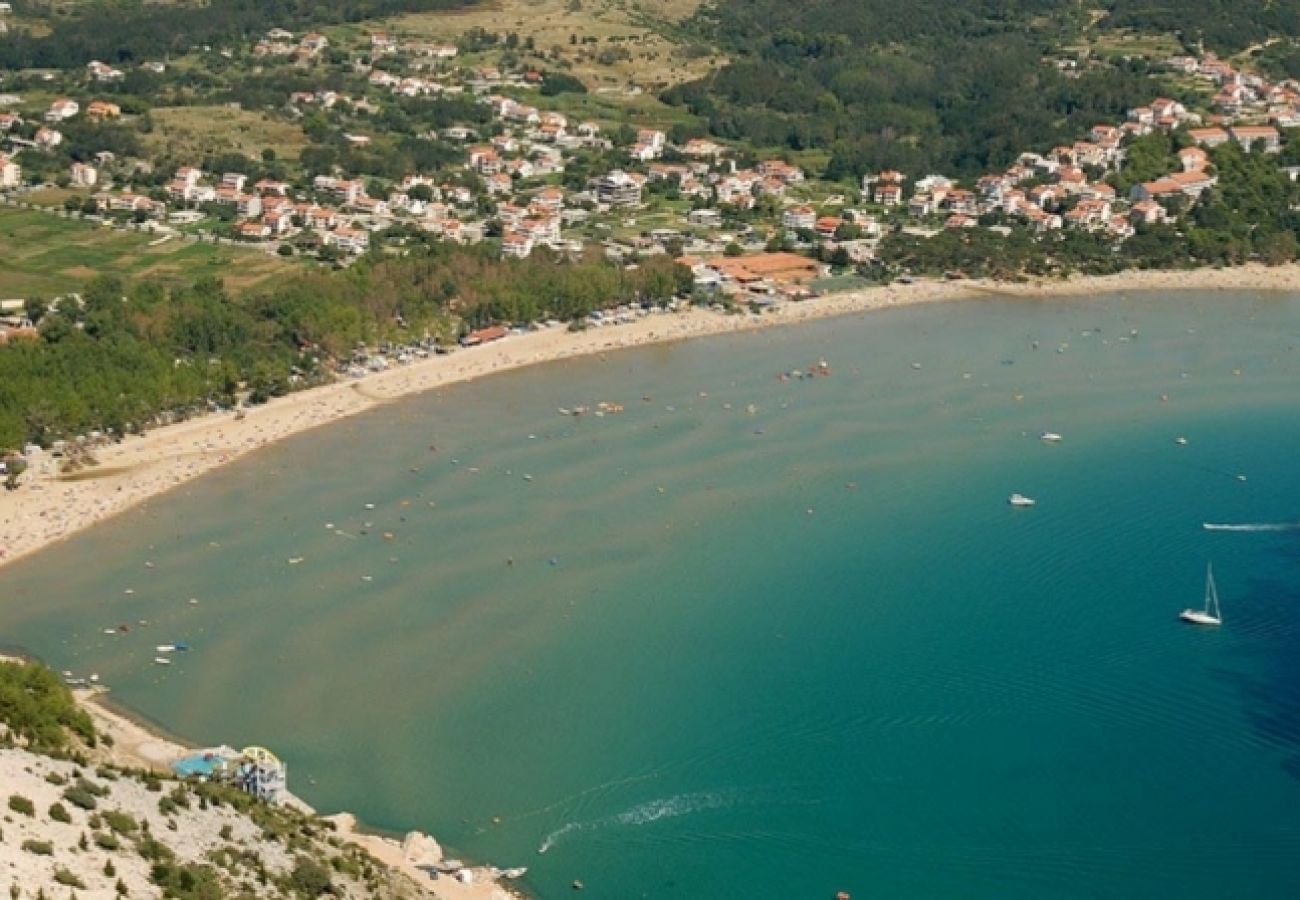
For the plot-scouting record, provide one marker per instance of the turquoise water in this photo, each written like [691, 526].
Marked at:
[706, 651]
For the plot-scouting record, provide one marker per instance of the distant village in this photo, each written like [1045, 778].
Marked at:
[508, 187]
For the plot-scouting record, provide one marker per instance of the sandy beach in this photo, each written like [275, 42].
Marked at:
[49, 507]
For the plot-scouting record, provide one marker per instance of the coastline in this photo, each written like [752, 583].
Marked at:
[138, 744]
[47, 508]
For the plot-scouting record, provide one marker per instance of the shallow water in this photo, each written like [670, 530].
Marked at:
[769, 653]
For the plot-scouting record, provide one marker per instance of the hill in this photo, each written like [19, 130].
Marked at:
[938, 85]
[83, 816]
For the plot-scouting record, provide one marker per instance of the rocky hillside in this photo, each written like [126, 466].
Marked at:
[86, 812]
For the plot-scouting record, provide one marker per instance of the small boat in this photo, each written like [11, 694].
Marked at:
[1210, 615]
[1050, 437]
[165, 648]
[518, 872]
[181, 646]
[1180, 441]
[294, 560]
[1021, 500]
[162, 661]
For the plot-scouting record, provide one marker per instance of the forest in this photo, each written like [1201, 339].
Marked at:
[130, 353]
[934, 85]
[127, 31]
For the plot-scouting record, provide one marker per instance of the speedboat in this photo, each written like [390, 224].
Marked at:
[1180, 441]
[1021, 500]
[1049, 437]
[162, 660]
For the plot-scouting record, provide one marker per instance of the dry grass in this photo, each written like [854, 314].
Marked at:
[44, 255]
[194, 131]
[641, 27]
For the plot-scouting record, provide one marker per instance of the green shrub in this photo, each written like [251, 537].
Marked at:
[106, 841]
[63, 876]
[20, 804]
[39, 709]
[310, 878]
[120, 822]
[56, 779]
[80, 797]
[40, 848]
[59, 813]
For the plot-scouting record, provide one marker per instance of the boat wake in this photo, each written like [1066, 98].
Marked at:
[1253, 526]
[644, 814]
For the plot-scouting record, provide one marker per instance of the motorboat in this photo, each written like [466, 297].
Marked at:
[1021, 500]
[1050, 437]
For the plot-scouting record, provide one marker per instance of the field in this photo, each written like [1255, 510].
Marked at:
[194, 131]
[628, 42]
[44, 255]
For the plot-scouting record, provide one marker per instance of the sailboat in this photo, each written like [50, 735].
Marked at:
[1210, 615]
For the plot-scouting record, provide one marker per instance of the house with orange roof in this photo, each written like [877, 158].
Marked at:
[1248, 137]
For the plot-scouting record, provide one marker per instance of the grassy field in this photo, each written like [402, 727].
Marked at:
[643, 29]
[44, 255]
[193, 131]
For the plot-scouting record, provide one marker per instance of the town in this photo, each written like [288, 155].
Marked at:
[508, 164]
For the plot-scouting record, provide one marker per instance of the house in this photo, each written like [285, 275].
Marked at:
[484, 159]
[825, 226]
[234, 180]
[48, 138]
[381, 42]
[102, 109]
[314, 42]
[618, 188]
[782, 170]
[550, 198]
[921, 205]
[516, 244]
[887, 193]
[799, 217]
[83, 175]
[1146, 212]
[705, 218]
[11, 174]
[1193, 159]
[253, 231]
[101, 72]
[62, 109]
[699, 148]
[9, 120]
[347, 240]
[1209, 137]
[1248, 136]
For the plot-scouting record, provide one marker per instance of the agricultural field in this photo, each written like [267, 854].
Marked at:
[606, 43]
[193, 132]
[44, 255]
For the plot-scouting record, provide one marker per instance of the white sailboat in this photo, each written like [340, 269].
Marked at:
[1210, 615]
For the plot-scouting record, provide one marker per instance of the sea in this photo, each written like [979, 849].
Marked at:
[755, 632]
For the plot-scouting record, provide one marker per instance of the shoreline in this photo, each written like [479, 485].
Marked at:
[140, 744]
[48, 508]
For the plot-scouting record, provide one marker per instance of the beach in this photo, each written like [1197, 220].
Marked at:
[49, 507]
[760, 633]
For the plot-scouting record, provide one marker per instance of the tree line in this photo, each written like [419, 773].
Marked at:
[132, 31]
[130, 354]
